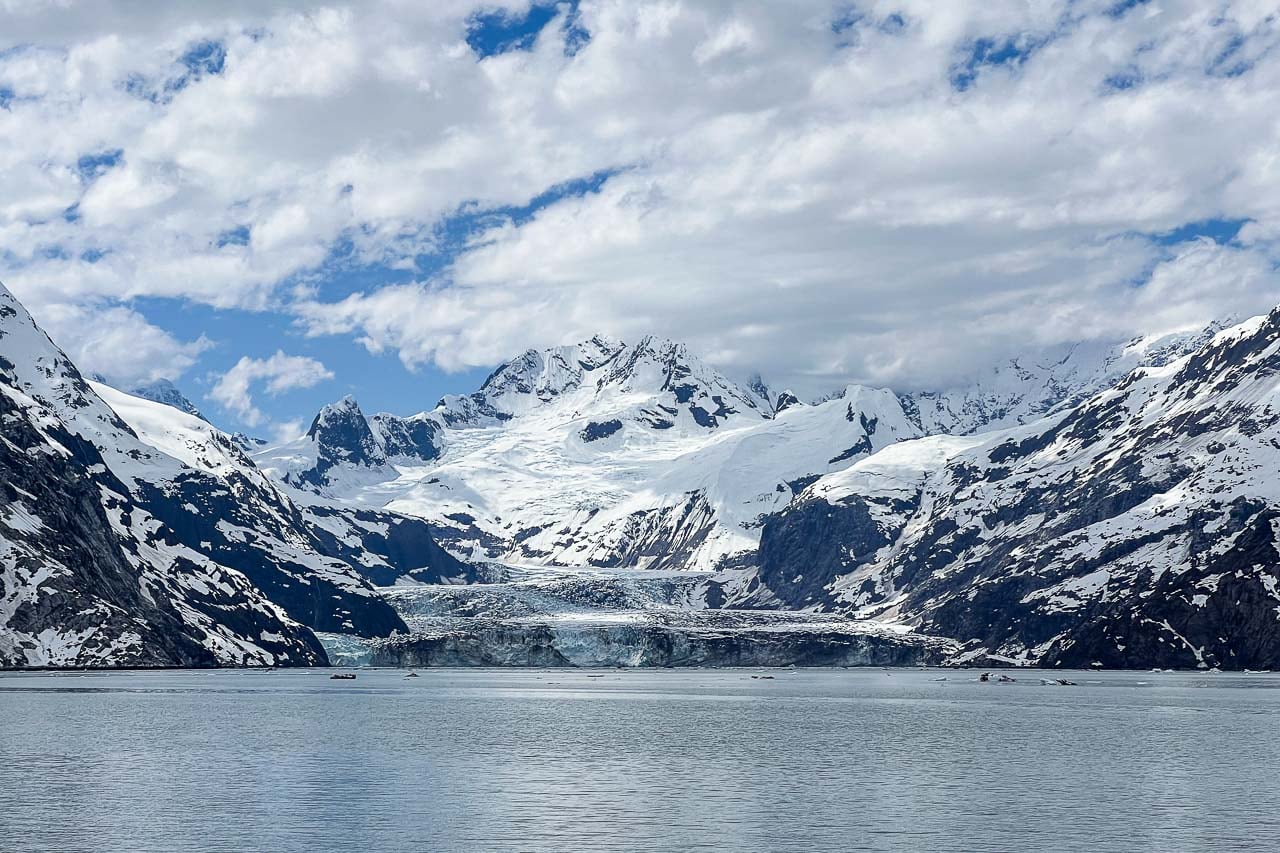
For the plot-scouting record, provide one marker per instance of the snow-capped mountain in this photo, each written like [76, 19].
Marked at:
[599, 454]
[89, 575]
[1054, 511]
[1137, 528]
[343, 444]
[618, 455]
[181, 552]
[1104, 504]
[1024, 389]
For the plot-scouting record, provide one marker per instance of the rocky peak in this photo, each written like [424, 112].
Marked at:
[341, 435]
[414, 438]
[668, 370]
[532, 379]
[1021, 390]
[786, 400]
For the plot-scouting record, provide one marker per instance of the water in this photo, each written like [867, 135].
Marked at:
[667, 760]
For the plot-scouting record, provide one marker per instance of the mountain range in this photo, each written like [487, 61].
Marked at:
[609, 503]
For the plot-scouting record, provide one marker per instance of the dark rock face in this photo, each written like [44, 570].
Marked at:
[403, 547]
[786, 400]
[804, 549]
[595, 431]
[1232, 627]
[341, 435]
[662, 538]
[414, 438]
[157, 561]
[298, 566]
[1137, 529]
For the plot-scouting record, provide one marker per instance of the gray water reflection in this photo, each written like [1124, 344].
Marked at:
[671, 760]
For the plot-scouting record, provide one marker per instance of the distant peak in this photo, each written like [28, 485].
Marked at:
[786, 400]
[163, 391]
[604, 342]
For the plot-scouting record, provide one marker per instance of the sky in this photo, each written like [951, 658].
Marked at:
[275, 204]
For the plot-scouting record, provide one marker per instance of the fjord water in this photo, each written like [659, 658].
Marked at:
[884, 760]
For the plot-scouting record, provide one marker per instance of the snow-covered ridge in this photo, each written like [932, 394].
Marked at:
[164, 391]
[1116, 505]
[89, 575]
[599, 454]
[613, 454]
[132, 532]
[1139, 527]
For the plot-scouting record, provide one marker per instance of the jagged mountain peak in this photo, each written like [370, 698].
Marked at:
[249, 443]
[756, 385]
[343, 439]
[341, 435]
[340, 408]
[786, 400]
[104, 566]
[37, 367]
[601, 368]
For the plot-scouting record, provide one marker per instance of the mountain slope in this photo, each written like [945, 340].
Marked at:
[1137, 528]
[1026, 389]
[600, 454]
[88, 576]
[316, 561]
[164, 391]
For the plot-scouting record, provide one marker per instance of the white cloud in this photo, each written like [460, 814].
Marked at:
[281, 372]
[823, 212]
[118, 343]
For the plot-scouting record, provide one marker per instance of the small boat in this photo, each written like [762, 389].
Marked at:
[1004, 679]
[410, 675]
[986, 676]
[343, 676]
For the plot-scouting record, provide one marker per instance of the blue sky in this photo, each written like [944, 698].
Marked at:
[380, 381]
[279, 204]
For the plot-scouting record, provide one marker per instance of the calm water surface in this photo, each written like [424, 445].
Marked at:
[670, 760]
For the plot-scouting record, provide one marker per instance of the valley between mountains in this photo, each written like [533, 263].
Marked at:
[626, 504]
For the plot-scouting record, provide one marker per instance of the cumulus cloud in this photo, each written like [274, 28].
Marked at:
[118, 344]
[279, 373]
[893, 193]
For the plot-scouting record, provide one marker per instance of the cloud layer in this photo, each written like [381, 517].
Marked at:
[888, 192]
